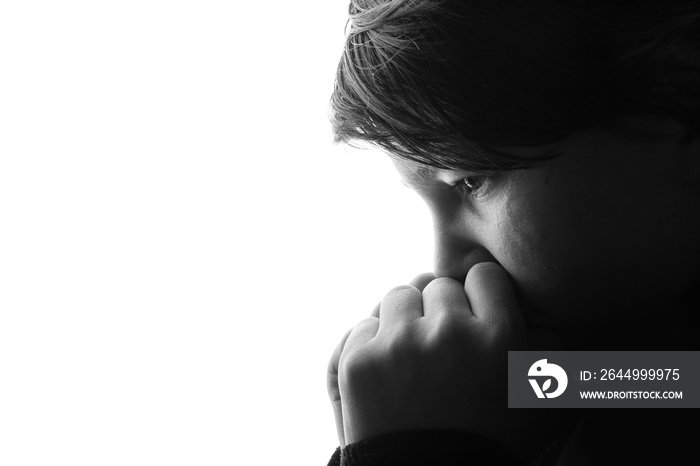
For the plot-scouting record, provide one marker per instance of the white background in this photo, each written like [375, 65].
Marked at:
[181, 244]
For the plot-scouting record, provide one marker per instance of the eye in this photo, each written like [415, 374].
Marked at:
[474, 185]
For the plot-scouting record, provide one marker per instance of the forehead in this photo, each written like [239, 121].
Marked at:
[526, 157]
[409, 169]
[416, 174]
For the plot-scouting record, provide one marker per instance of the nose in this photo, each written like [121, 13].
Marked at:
[456, 250]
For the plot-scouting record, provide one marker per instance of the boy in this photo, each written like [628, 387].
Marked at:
[556, 145]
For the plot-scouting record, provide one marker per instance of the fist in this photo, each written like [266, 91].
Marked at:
[434, 356]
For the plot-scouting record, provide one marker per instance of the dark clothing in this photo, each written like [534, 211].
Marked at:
[444, 448]
[602, 436]
[606, 437]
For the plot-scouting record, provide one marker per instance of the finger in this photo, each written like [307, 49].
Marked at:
[418, 282]
[334, 391]
[375, 311]
[445, 294]
[422, 280]
[357, 338]
[491, 294]
[360, 335]
[403, 303]
[333, 367]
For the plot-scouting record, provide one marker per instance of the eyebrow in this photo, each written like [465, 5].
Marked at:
[415, 178]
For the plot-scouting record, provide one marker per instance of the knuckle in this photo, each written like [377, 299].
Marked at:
[401, 296]
[438, 285]
[401, 289]
[358, 366]
[397, 346]
[400, 341]
[422, 280]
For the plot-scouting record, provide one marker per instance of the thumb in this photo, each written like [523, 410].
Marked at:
[492, 295]
[334, 391]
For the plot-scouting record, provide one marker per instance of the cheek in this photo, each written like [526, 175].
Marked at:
[520, 241]
[541, 240]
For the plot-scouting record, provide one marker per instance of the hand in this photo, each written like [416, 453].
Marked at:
[434, 356]
[332, 377]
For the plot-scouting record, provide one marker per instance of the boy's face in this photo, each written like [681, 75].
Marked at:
[607, 226]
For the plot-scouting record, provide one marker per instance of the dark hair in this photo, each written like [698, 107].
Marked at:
[444, 82]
